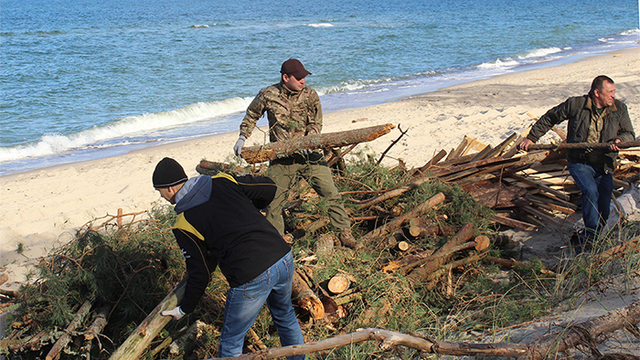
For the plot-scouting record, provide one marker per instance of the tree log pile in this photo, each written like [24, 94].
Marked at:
[415, 245]
[527, 190]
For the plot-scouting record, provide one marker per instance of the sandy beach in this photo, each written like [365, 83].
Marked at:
[41, 209]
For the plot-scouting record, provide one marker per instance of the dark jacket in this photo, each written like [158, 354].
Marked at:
[219, 224]
[577, 110]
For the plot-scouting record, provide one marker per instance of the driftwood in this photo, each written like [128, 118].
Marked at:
[271, 151]
[147, 330]
[546, 346]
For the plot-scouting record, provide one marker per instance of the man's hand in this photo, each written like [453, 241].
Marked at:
[524, 144]
[237, 148]
[176, 312]
[614, 145]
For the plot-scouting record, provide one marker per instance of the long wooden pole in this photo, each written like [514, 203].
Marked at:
[621, 145]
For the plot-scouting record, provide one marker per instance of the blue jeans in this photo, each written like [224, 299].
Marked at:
[245, 301]
[596, 185]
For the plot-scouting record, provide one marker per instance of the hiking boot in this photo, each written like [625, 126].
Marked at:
[347, 239]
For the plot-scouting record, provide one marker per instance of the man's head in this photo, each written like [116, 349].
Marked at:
[603, 91]
[168, 178]
[293, 74]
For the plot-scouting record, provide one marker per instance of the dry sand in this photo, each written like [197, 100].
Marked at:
[41, 209]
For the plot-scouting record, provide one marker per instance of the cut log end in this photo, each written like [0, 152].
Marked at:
[339, 284]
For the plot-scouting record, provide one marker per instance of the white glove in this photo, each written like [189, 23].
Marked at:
[237, 148]
[176, 312]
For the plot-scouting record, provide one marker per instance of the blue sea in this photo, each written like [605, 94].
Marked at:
[84, 79]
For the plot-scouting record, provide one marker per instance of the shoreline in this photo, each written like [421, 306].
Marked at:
[42, 208]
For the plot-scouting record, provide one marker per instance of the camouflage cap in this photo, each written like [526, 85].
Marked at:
[294, 67]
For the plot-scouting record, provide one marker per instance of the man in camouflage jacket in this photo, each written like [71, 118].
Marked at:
[294, 110]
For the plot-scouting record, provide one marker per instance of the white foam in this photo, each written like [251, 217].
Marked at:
[536, 53]
[51, 144]
[499, 64]
[321, 25]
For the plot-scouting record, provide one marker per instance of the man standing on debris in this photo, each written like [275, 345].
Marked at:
[219, 224]
[293, 111]
[593, 118]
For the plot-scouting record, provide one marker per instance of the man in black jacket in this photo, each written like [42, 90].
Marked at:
[219, 224]
[593, 118]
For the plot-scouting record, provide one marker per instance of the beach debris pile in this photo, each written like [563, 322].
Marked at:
[416, 234]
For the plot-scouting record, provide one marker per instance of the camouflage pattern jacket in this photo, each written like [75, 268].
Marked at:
[291, 114]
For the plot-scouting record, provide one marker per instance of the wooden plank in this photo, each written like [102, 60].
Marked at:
[517, 224]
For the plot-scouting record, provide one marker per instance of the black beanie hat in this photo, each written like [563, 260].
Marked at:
[168, 173]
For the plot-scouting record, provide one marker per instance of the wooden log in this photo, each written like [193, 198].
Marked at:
[339, 283]
[441, 256]
[98, 324]
[138, 341]
[305, 297]
[432, 279]
[62, 342]
[397, 222]
[394, 265]
[271, 151]
[396, 192]
[388, 340]
[186, 342]
[516, 224]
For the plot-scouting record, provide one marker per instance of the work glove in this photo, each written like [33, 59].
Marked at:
[176, 312]
[237, 148]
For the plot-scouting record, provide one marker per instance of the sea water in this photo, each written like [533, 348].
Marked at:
[85, 79]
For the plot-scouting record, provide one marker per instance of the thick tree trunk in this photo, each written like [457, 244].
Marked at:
[270, 151]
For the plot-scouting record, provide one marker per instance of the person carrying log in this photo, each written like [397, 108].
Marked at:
[219, 224]
[293, 110]
[597, 117]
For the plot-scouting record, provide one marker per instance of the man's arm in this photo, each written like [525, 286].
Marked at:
[551, 118]
[259, 189]
[314, 122]
[625, 132]
[198, 268]
[253, 114]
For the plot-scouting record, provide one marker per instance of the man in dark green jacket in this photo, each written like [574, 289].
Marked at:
[593, 118]
[219, 224]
